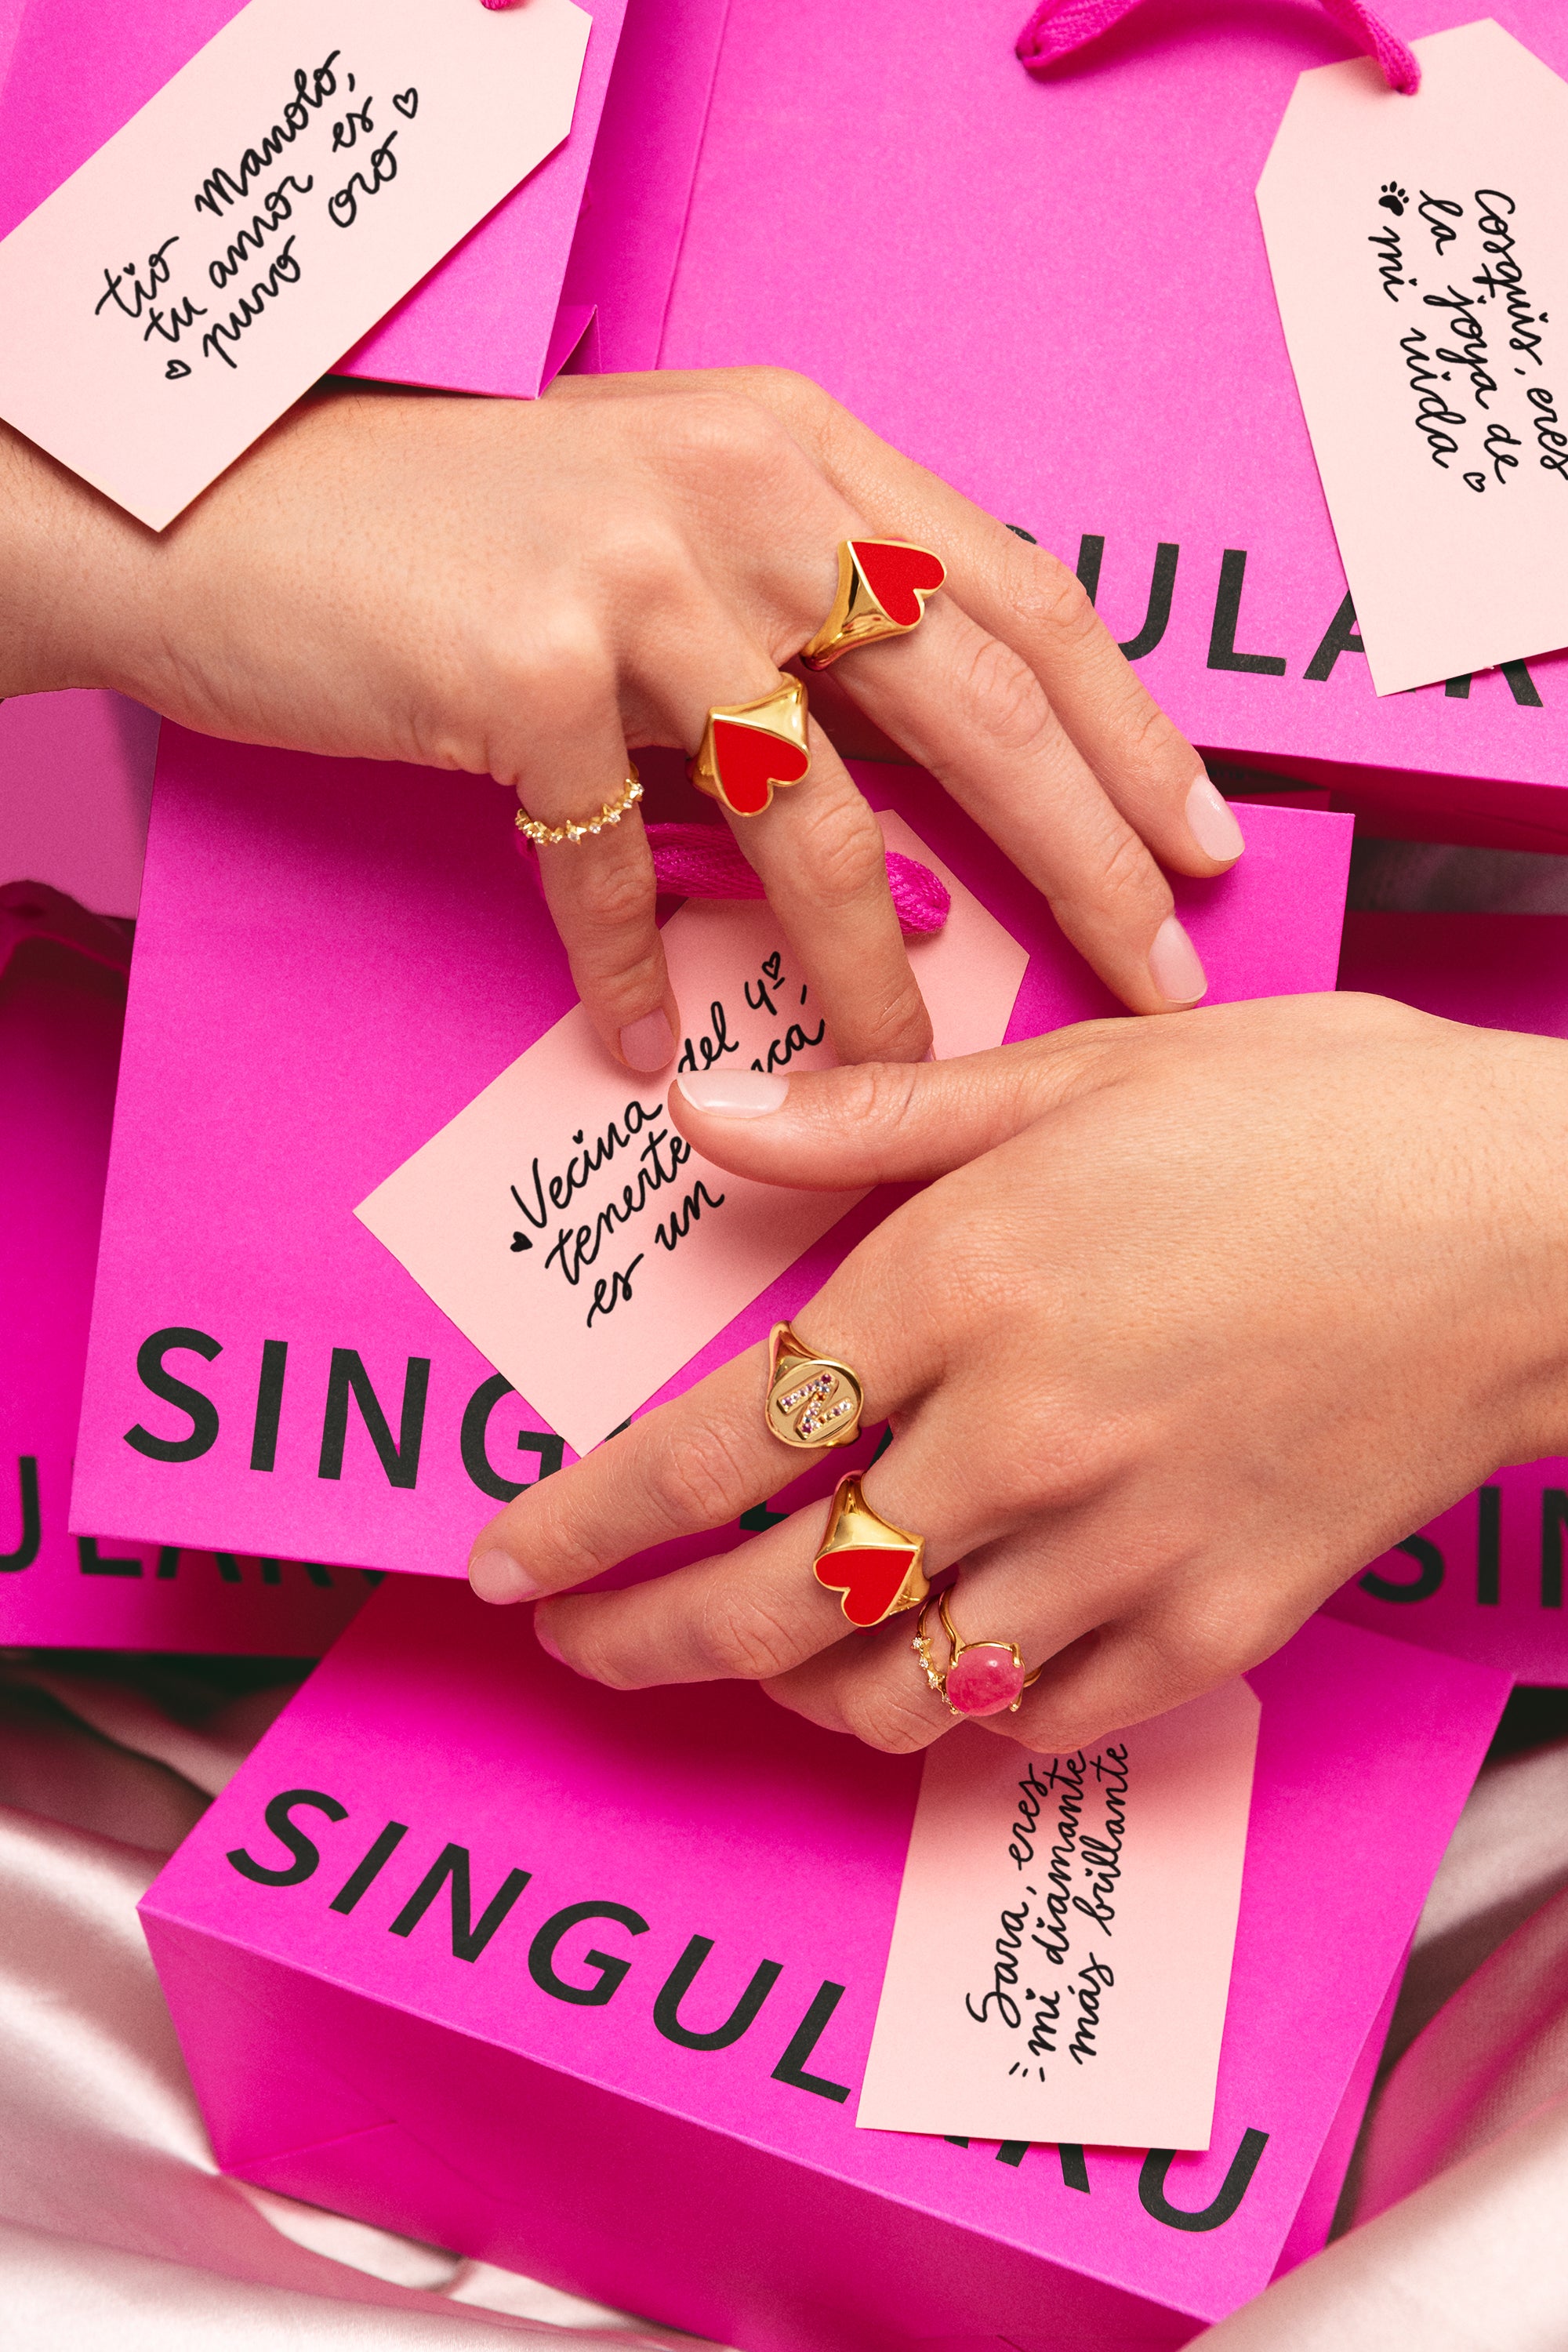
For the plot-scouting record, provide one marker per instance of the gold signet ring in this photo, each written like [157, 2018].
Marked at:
[812, 1401]
[748, 748]
[883, 585]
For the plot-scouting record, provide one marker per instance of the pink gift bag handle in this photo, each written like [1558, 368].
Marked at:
[1060, 27]
[700, 861]
[31, 910]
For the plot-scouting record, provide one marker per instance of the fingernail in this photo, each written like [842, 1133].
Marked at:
[1212, 822]
[648, 1044]
[734, 1094]
[496, 1576]
[1173, 965]
[550, 1648]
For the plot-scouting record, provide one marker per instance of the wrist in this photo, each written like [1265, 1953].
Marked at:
[69, 562]
[1528, 1140]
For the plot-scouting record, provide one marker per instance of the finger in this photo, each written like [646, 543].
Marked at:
[603, 895]
[1021, 594]
[758, 1612]
[700, 1461]
[1023, 1589]
[890, 1123]
[968, 707]
[820, 855]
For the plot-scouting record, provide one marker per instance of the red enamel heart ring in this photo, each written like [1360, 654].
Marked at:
[874, 1568]
[883, 585]
[748, 748]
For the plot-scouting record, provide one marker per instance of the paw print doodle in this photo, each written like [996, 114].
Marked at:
[1394, 198]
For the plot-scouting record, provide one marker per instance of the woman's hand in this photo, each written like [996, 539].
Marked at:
[1208, 1313]
[527, 589]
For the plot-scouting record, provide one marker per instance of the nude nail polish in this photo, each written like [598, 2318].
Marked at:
[544, 1641]
[1212, 822]
[1173, 965]
[496, 1576]
[734, 1093]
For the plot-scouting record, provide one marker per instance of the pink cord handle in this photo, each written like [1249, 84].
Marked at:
[1057, 28]
[699, 861]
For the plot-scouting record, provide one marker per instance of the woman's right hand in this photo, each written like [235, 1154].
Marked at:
[530, 590]
[1196, 1317]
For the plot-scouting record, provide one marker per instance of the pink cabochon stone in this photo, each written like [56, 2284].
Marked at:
[984, 1679]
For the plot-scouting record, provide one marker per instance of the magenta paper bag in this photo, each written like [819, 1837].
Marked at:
[1485, 1580]
[1056, 294]
[332, 959]
[76, 778]
[62, 993]
[583, 1982]
[508, 305]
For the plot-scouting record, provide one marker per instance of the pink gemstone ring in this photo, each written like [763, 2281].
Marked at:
[980, 1677]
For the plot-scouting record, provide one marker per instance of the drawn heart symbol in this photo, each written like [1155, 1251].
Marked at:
[869, 1577]
[520, 1242]
[407, 103]
[748, 763]
[772, 966]
[176, 370]
[894, 574]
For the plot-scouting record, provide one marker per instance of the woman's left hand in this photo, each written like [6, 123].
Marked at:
[1208, 1313]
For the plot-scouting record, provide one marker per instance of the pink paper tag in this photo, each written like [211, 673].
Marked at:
[1061, 1958]
[290, 185]
[571, 1234]
[1419, 247]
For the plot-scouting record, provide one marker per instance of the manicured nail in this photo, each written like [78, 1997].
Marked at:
[544, 1641]
[648, 1044]
[734, 1094]
[1212, 822]
[1173, 965]
[496, 1576]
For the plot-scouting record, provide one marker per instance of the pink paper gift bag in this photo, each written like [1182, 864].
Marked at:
[588, 241]
[1486, 1578]
[332, 959]
[1054, 292]
[62, 993]
[582, 1981]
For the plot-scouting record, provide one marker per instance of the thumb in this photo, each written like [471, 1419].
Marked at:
[885, 1122]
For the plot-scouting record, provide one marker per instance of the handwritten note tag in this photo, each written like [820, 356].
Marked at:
[1419, 247]
[576, 1239]
[276, 198]
[1061, 1955]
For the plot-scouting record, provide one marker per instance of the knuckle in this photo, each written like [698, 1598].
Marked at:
[643, 554]
[741, 1638]
[1061, 609]
[884, 1718]
[1128, 876]
[846, 859]
[618, 896]
[1006, 699]
[691, 1481]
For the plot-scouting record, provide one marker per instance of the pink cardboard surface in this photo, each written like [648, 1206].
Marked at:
[486, 319]
[332, 958]
[1103, 361]
[585, 1981]
[1486, 1578]
[62, 993]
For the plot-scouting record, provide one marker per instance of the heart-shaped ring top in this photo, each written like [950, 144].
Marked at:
[874, 1567]
[748, 748]
[883, 585]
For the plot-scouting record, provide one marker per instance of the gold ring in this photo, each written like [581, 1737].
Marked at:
[747, 748]
[992, 1682]
[883, 585]
[812, 1401]
[874, 1567]
[547, 836]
